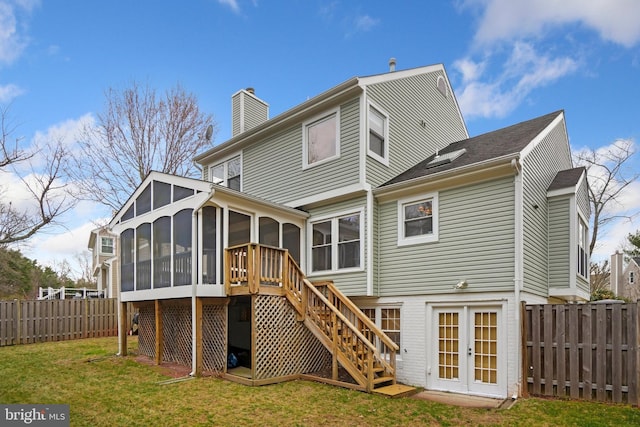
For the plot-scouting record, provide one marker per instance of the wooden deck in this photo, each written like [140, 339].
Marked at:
[396, 390]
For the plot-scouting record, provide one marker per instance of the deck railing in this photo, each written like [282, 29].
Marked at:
[366, 352]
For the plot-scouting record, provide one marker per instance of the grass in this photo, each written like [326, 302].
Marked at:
[104, 390]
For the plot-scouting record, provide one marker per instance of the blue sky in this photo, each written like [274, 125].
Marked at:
[508, 61]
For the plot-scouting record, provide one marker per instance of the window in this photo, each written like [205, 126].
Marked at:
[182, 247]
[387, 319]
[269, 232]
[320, 140]
[329, 253]
[143, 202]
[418, 220]
[127, 259]
[582, 252]
[227, 173]
[106, 245]
[209, 243]
[161, 194]
[378, 134]
[143, 256]
[239, 228]
[291, 240]
[162, 252]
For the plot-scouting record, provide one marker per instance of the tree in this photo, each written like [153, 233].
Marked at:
[600, 275]
[634, 240]
[48, 195]
[138, 132]
[608, 174]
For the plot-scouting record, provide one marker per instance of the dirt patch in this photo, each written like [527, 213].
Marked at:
[173, 370]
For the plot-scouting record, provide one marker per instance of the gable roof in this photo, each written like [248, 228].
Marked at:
[343, 91]
[569, 178]
[500, 143]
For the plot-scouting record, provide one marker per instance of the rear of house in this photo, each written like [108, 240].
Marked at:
[362, 221]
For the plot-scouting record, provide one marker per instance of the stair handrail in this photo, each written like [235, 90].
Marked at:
[362, 317]
[341, 316]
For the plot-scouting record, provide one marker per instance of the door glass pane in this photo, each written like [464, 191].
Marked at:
[485, 347]
[239, 228]
[291, 240]
[209, 244]
[448, 346]
[269, 232]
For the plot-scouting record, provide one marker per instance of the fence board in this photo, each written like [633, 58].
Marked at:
[587, 351]
[26, 322]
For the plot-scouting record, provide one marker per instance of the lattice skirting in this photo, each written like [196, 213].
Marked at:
[214, 337]
[147, 331]
[176, 332]
[284, 346]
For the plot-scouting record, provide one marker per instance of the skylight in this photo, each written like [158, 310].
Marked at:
[444, 158]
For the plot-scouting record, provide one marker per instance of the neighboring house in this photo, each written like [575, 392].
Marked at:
[624, 278]
[104, 261]
[376, 186]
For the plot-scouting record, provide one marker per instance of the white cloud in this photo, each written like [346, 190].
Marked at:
[365, 23]
[233, 4]
[523, 71]
[13, 39]
[9, 92]
[617, 21]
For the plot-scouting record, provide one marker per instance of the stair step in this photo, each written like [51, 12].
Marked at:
[382, 380]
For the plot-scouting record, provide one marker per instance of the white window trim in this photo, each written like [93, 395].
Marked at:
[225, 164]
[385, 158]
[415, 240]
[305, 147]
[378, 321]
[334, 242]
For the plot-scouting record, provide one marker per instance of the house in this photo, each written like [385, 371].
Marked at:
[624, 278]
[363, 230]
[104, 261]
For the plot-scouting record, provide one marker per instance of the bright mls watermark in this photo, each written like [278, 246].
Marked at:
[34, 415]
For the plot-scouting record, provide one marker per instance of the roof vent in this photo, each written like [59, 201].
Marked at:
[443, 159]
[392, 65]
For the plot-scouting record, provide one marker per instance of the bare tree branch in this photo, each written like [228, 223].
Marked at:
[608, 176]
[49, 193]
[138, 132]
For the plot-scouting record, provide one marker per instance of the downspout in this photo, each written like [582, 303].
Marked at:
[195, 266]
[518, 265]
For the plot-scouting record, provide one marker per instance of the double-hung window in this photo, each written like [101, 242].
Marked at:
[106, 245]
[582, 249]
[336, 243]
[227, 173]
[378, 135]
[321, 141]
[418, 219]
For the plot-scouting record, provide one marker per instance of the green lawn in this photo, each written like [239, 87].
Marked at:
[104, 390]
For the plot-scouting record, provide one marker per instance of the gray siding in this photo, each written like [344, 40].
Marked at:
[582, 198]
[476, 243]
[255, 112]
[235, 114]
[559, 242]
[273, 168]
[539, 168]
[409, 101]
[354, 283]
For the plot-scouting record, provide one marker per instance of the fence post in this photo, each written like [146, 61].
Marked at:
[18, 322]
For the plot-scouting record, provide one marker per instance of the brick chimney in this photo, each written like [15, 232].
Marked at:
[247, 111]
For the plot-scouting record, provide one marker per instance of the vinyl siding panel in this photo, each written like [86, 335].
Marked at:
[476, 243]
[235, 114]
[408, 102]
[352, 283]
[582, 197]
[255, 112]
[559, 241]
[539, 167]
[273, 168]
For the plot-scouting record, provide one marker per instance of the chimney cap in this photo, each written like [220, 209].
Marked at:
[392, 64]
[251, 90]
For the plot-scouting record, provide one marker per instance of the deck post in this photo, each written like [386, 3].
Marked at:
[159, 334]
[334, 361]
[197, 368]
[122, 331]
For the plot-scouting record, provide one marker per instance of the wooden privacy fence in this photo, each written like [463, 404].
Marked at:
[26, 322]
[582, 351]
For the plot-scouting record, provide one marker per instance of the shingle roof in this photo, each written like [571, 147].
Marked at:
[566, 178]
[509, 140]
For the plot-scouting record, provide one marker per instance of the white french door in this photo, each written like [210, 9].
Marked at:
[466, 354]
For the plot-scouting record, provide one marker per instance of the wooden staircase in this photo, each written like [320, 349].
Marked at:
[354, 341]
